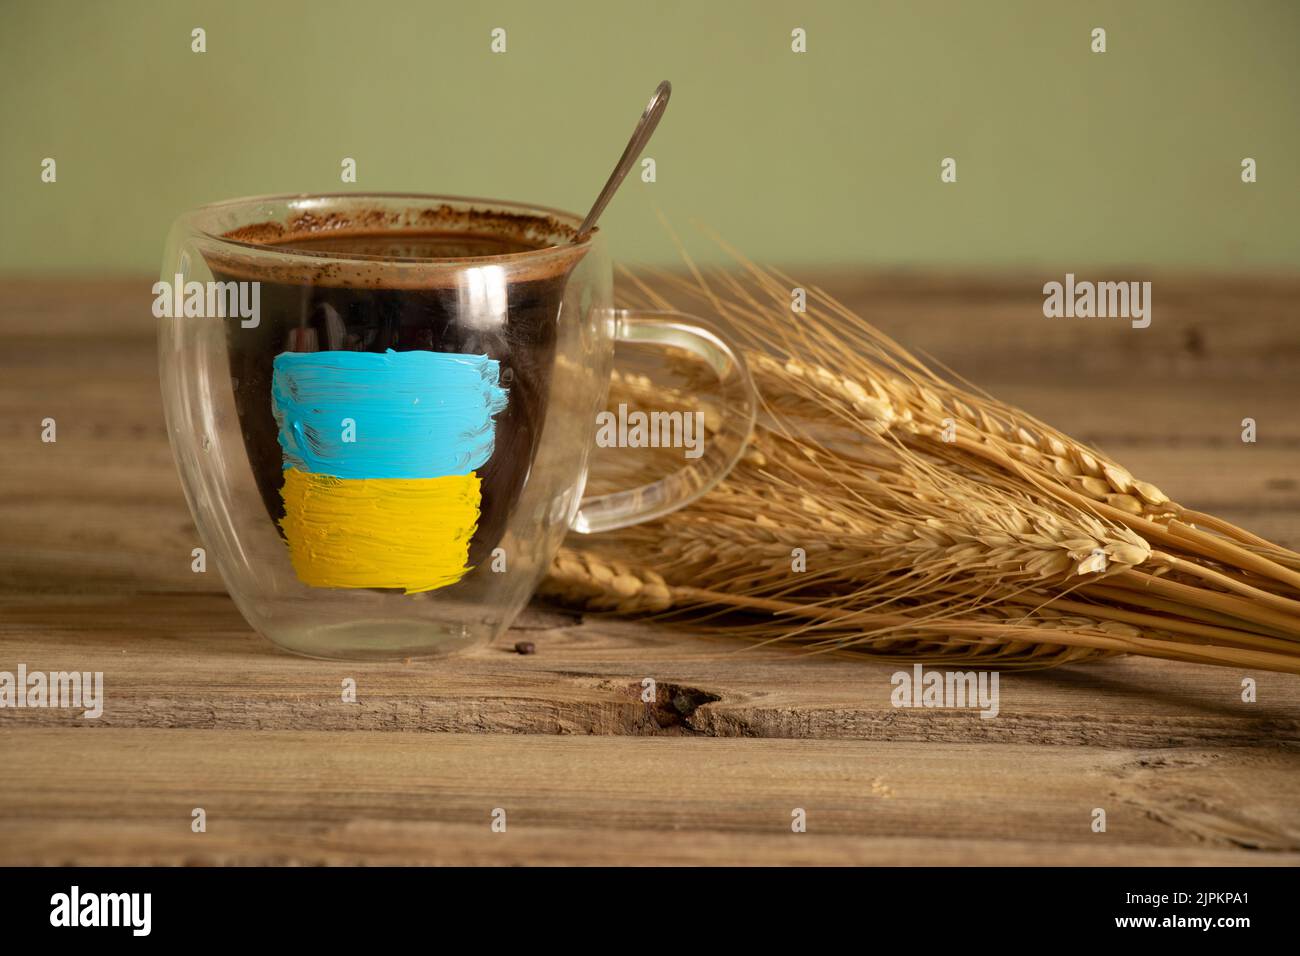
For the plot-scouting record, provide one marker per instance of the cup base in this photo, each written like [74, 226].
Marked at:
[378, 640]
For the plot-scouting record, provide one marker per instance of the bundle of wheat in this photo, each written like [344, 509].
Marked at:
[883, 508]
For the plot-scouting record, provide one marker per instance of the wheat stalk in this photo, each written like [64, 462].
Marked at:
[583, 579]
[890, 388]
[934, 521]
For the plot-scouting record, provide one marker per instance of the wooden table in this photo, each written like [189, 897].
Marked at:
[200, 712]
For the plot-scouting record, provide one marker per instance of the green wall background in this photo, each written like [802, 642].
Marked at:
[1066, 158]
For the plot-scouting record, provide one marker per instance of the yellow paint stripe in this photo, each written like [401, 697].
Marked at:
[408, 533]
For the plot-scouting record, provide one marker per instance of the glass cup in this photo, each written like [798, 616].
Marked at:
[382, 409]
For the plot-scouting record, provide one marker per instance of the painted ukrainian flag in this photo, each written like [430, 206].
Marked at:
[380, 457]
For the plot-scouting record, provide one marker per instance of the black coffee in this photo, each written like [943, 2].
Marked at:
[338, 308]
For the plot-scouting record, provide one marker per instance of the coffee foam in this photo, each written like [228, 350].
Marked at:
[263, 251]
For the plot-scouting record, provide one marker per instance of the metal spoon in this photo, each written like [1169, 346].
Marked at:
[640, 136]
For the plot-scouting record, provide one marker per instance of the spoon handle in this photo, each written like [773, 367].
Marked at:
[645, 127]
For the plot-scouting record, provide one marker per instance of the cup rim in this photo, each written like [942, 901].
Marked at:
[472, 204]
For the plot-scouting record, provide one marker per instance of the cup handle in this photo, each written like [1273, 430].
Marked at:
[723, 447]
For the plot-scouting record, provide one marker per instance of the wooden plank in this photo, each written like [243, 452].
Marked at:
[1204, 327]
[190, 661]
[114, 796]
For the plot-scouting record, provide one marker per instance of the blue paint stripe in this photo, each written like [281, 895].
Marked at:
[417, 414]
